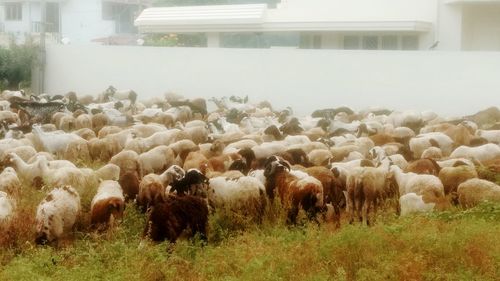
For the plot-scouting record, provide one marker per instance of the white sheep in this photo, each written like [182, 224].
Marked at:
[474, 191]
[413, 203]
[238, 192]
[9, 182]
[108, 203]
[6, 208]
[423, 141]
[108, 172]
[481, 153]
[57, 214]
[490, 135]
[156, 160]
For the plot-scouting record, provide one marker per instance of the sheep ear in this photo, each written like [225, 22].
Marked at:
[286, 164]
[269, 170]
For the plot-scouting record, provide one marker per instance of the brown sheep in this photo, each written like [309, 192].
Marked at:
[332, 188]
[474, 191]
[107, 205]
[423, 166]
[169, 219]
[99, 120]
[196, 160]
[295, 193]
[452, 177]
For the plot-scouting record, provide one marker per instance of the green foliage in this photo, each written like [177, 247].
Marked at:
[16, 63]
[210, 2]
[453, 245]
[175, 40]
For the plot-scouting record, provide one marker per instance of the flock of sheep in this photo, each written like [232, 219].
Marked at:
[180, 163]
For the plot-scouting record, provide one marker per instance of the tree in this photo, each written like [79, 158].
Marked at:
[166, 3]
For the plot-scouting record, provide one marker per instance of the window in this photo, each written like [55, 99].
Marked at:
[409, 43]
[351, 42]
[389, 42]
[370, 42]
[13, 11]
[381, 42]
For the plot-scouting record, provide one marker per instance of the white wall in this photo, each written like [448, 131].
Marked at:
[481, 28]
[81, 21]
[447, 82]
[355, 10]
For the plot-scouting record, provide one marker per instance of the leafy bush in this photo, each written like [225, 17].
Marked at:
[16, 63]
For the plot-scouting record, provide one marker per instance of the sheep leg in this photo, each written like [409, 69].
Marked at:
[337, 214]
[292, 215]
[366, 208]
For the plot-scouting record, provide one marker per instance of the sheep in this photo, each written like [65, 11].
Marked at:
[196, 160]
[129, 181]
[83, 121]
[156, 160]
[108, 172]
[480, 153]
[434, 153]
[108, 130]
[103, 149]
[193, 183]
[294, 192]
[145, 131]
[10, 183]
[78, 178]
[365, 189]
[452, 177]
[419, 143]
[108, 204]
[6, 208]
[128, 161]
[167, 220]
[490, 135]
[85, 133]
[54, 142]
[27, 172]
[429, 186]
[474, 191]
[243, 193]
[77, 150]
[24, 152]
[424, 166]
[153, 187]
[319, 157]
[332, 188]
[99, 121]
[57, 214]
[413, 203]
[455, 162]
[66, 123]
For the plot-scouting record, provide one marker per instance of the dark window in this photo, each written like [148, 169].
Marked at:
[13, 11]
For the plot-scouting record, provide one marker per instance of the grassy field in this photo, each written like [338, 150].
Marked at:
[453, 245]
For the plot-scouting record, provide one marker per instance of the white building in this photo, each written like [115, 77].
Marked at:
[341, 24]
[80, 21]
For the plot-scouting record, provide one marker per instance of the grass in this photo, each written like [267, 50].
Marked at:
[451, 245]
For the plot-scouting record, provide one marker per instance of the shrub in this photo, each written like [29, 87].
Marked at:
[16, 63]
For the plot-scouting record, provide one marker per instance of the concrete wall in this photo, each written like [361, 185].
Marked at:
[82, 21]
[481, 28]
[447, 82]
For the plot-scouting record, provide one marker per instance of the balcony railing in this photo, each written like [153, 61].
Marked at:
[36, 27]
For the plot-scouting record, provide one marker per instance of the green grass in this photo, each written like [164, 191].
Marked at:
[452, 245]
[455, 245]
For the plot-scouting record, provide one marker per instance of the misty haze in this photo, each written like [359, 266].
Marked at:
[249, 139]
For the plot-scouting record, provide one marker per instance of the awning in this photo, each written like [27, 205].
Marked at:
[253, 18]
[194, 18]
[473, 2]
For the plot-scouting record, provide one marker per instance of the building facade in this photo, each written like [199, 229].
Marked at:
[338, 24]
[78, 21]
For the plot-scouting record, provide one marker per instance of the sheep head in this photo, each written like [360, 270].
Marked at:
[275, 164]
